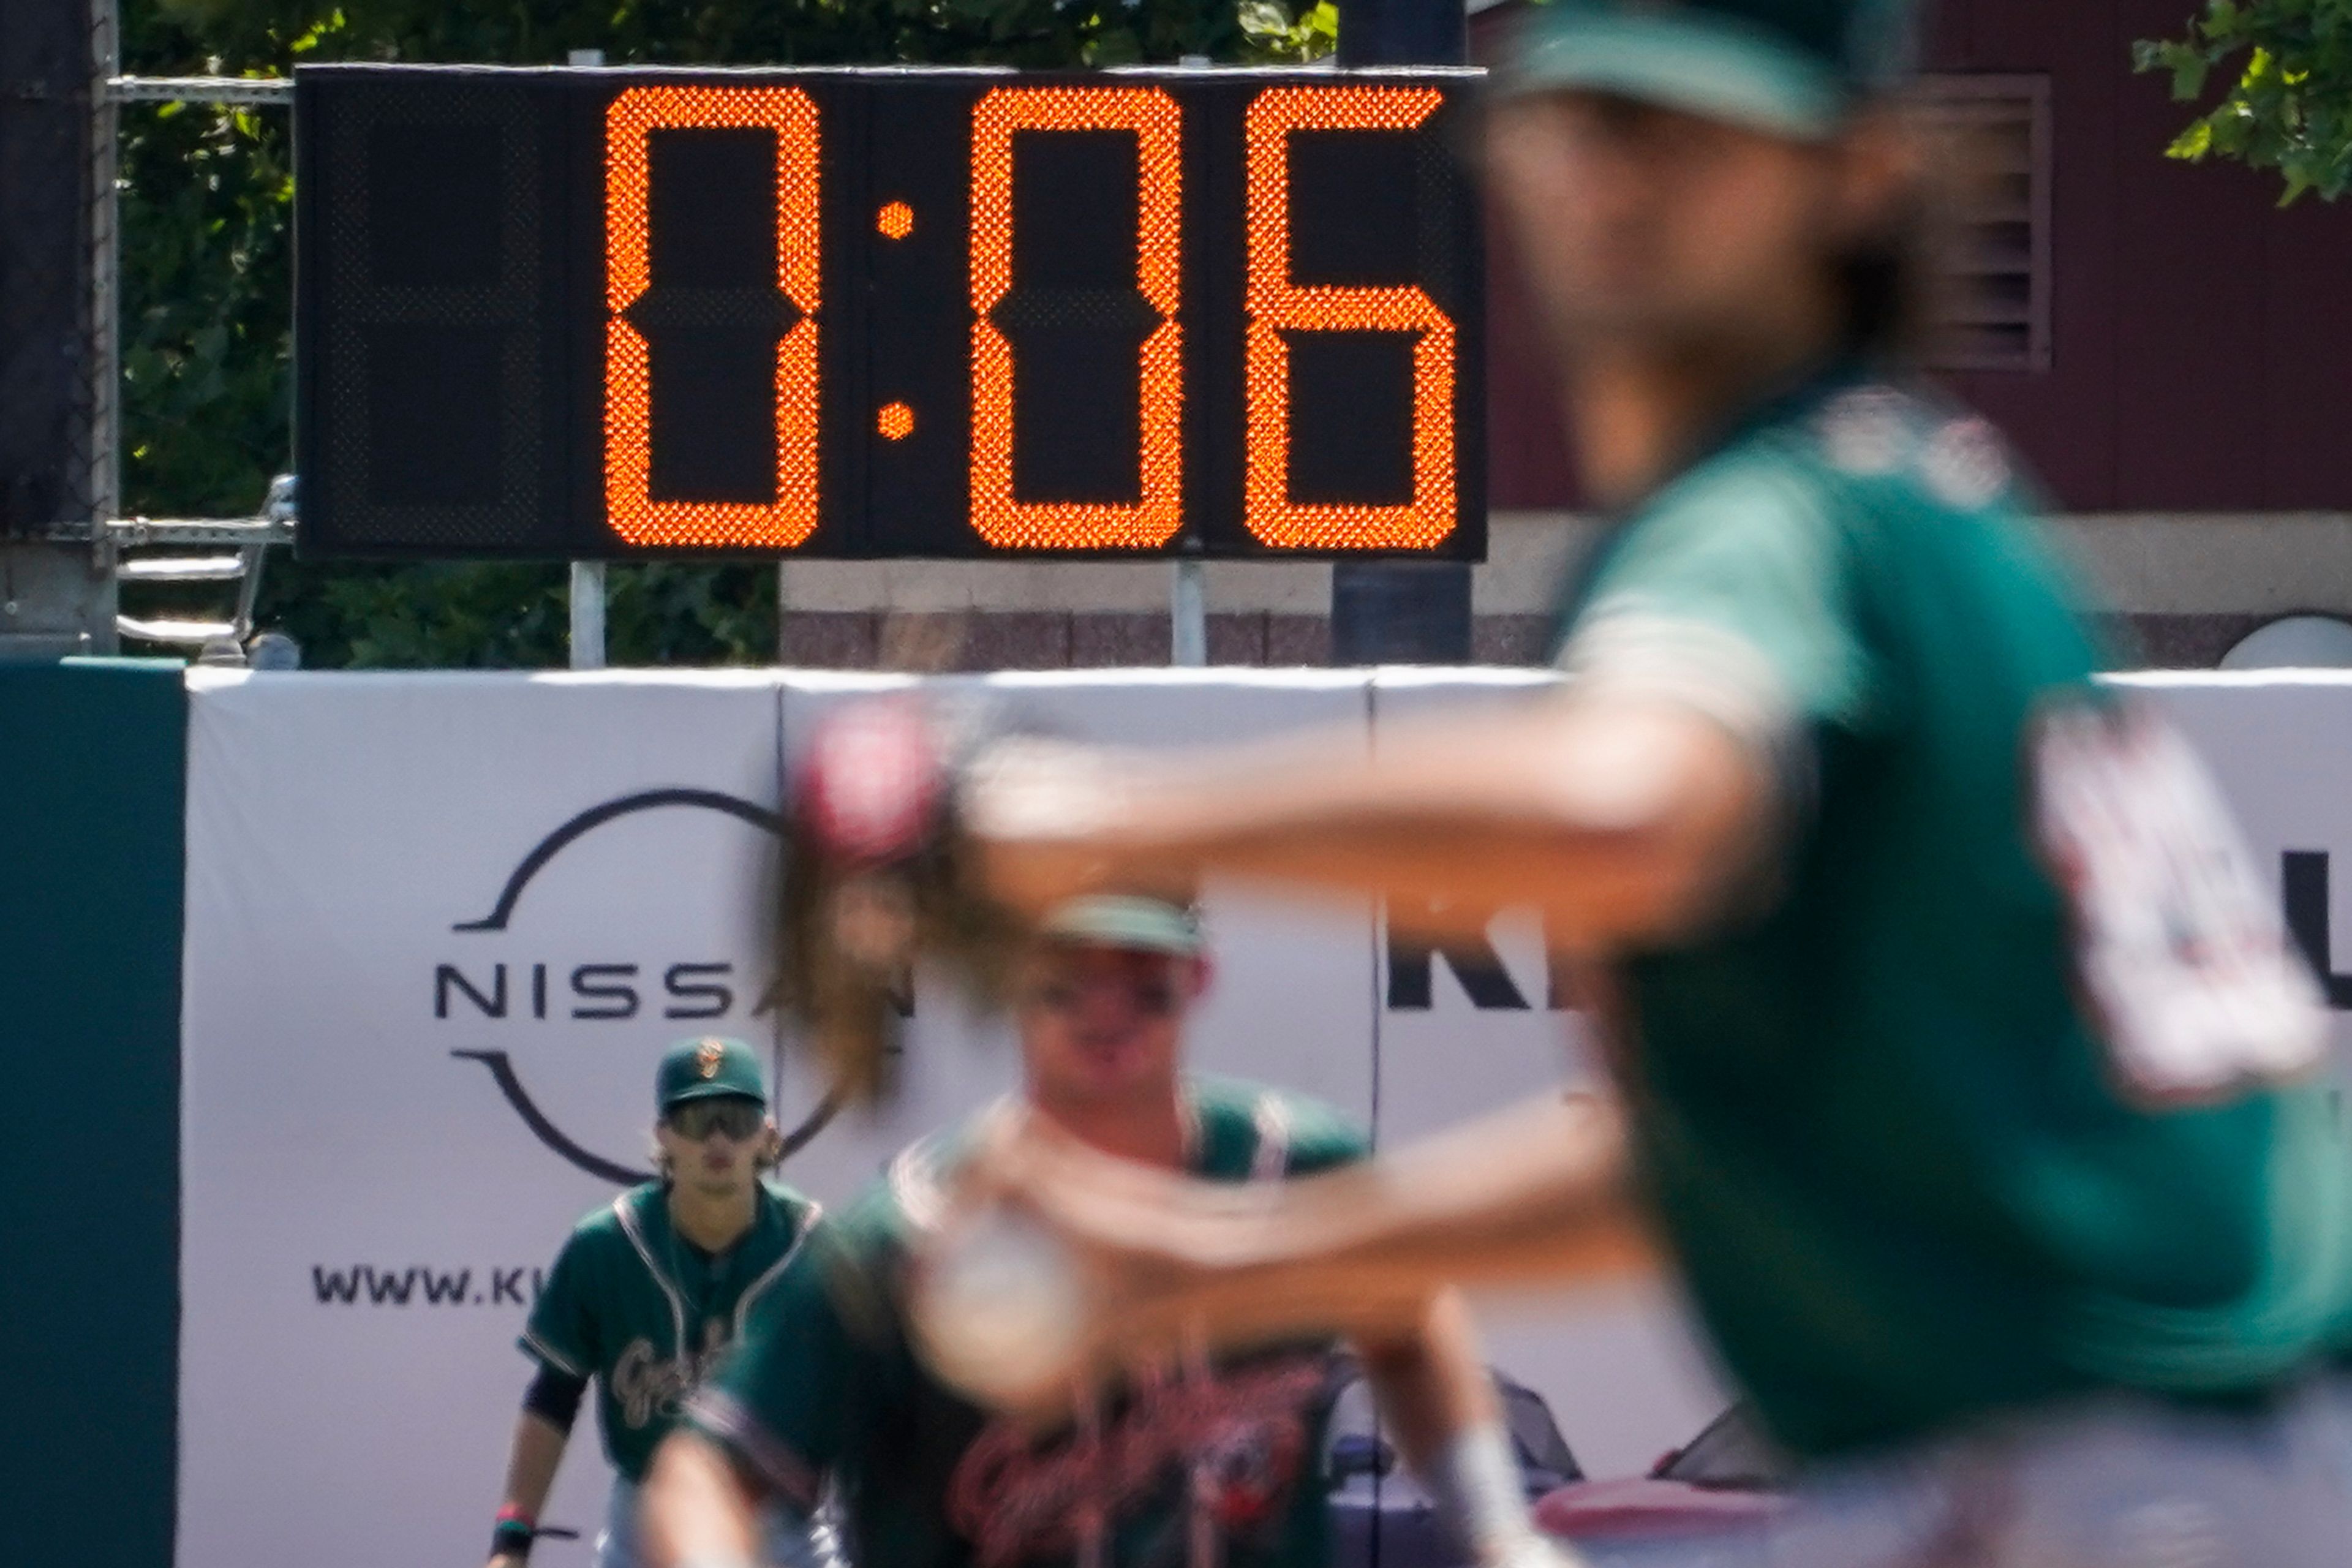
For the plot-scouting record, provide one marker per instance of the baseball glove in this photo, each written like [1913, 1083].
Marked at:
[877, 869]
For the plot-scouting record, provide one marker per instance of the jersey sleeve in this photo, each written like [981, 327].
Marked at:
[792, 1401]
[562, 1330]
[1321, 1138]
[1729, 596]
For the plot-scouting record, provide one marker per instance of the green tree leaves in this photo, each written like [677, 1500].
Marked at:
[1277, 35]
[2289, 107]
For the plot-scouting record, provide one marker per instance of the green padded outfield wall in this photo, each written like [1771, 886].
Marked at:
[93, 764]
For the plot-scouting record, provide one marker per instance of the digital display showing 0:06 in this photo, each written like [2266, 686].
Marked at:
[887, 313]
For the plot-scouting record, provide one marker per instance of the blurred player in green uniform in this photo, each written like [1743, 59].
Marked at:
[1965, 1071]
[1185, 1463]
[650, 1291]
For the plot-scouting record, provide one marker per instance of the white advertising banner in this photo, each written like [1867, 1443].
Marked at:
[440, 926]
[2279, 743]
[438, 930]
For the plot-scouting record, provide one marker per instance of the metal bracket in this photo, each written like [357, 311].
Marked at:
[257, 89]
[131, 532]
[179, 634]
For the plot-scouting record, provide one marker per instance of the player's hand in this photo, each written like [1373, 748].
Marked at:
[1005, 1304]
[1058, 1266]
[1146, 1229]
[508, 1560]
[1058, 1262]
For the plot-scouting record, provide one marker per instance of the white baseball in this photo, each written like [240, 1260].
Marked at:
[1000, 1308]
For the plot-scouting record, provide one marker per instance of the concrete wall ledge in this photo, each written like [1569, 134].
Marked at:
[2184, 586]
[2143, 563]
[2204, 564]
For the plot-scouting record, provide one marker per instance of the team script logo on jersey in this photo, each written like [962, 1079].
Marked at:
[2182, 959]
[648, 1384]
[1231, 1447]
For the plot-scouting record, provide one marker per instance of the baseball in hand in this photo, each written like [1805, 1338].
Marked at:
[1002, 1308]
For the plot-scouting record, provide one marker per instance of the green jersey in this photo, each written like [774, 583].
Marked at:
[1996, 1083]
[1225, 1460]
[646, 1313]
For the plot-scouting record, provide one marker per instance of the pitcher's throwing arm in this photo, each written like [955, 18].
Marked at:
[1066, 1264]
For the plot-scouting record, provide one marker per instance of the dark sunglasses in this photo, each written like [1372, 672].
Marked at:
[699, 1119]
[1152, 995]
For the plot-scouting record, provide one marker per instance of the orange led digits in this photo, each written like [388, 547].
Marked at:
[895, 421]
[629, 505]
[998, 517]
[895, 220]
[1275, 305]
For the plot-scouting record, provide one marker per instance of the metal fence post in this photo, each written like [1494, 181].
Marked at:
[1188, 613]
[587, 576]
[105, 275]
[587, 615]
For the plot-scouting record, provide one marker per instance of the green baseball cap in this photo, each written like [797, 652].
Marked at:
[1787, 68]
[709, 1066]
[1126, 920]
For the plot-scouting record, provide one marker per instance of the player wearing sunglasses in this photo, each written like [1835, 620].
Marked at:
[649, 1289]
[1182, 1462]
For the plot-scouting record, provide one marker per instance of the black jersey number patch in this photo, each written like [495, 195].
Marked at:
[2183, 960]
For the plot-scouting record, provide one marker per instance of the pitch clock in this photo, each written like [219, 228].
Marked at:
[852, 312]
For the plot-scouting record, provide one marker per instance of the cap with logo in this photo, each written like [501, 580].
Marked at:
[1788, 68]
[1125, 921]
[709, 1068]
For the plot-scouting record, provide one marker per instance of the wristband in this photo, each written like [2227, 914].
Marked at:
[513, 1533]
[1478, 1485]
